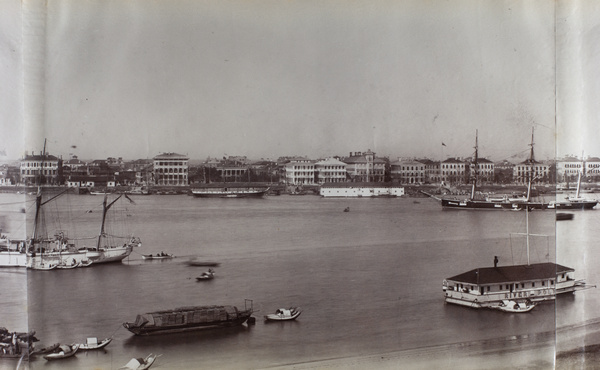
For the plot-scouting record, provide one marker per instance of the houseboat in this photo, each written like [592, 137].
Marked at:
[188, 319]
[359, 190]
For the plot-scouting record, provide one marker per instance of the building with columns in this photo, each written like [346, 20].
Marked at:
[171, 169]
[330, 170]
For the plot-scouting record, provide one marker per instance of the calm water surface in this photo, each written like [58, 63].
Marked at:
[369, 280]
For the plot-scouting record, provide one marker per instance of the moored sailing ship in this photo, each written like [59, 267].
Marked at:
[498, 203]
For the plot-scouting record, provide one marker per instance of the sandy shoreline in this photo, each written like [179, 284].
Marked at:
[580, 350]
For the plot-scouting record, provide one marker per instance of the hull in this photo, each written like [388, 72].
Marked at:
[229, 193]
[488, 205]
[187, 319]
[573, 205]
[13, 259]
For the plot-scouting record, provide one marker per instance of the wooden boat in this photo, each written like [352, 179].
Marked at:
[63, 351]
[65, 266]
[195, 262]
[206, 275]
[185, 319]
[93, 343]
[564, 216]
[347, 209]
[284, 314]
[140, 363]
[515, 307]
[45, 350]
[85, 263]
[158, 256]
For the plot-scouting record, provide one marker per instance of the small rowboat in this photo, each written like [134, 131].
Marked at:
[515, 307]
[207, 275]
[92, 343]
[158, 256]
[65, 266]
[45, 350]
[85, 263]
[284, 314]
[140, 363]
[195, 262]
[63, 351]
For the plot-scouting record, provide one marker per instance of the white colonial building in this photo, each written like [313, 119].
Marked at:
[453, 171]
[300, 171]
[537, 171]
[171, 169]
[408, 171]
[40, 168]
[365, 167]
[330, 170]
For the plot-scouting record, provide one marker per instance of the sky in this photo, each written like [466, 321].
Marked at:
[265, 79]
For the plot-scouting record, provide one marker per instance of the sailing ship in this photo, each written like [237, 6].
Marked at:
[524, 284]
[499, 203]
[48, 252]
[230, 190]
[576, 202]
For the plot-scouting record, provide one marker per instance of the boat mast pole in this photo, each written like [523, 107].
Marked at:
[579, 177]
[475, 168]
[38, 201]
[531, 162]
[527, 230]
[105, 208]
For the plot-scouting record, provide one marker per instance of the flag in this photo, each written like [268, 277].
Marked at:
[443, 144]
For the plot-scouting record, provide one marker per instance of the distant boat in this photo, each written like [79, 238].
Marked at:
[201, 263]
[231, 190]
[494, 203]
[515, 307]
[140, 363]
[158, 256]
[185, 319]
[207, 275]
[284, 314]
[564, 216]
[93, 343]
[44, 350]
[63, 351]
[576, 202]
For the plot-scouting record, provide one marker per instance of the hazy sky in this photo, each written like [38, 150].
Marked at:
[264, 79]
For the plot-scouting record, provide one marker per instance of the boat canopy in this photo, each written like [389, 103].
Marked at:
[507, 274]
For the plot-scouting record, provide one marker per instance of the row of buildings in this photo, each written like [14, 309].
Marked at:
[172, 169]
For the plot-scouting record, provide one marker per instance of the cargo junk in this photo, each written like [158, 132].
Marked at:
[188, 319]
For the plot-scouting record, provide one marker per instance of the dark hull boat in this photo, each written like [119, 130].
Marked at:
[503, 203]
[185, 319]
[231, 190]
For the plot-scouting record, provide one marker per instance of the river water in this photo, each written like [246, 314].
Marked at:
[369, 281]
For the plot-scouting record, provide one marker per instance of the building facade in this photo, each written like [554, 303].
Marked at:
[453, 171]
[365, 167]
[408, 172]
[171, 169]
[330, 170]
[299, 172]
[40, 169]
[538, 172]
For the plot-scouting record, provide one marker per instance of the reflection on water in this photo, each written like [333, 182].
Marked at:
[368, 281]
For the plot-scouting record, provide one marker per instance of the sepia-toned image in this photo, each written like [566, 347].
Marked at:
[299, 184]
